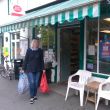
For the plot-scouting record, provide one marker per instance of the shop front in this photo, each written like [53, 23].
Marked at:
[70, 51]
[97, 52]
[76, 39]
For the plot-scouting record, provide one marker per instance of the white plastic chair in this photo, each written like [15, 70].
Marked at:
[84, 76]
[103, 93]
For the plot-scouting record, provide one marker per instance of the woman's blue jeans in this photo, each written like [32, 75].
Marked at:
[33, 83]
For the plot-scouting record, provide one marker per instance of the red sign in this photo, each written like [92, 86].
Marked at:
[17, 8]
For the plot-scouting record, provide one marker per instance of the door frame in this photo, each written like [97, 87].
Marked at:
[58, 50]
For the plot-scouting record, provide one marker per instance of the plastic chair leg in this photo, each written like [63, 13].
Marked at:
[81, 97]
[98, 98]
[106, 102]
[67, 93]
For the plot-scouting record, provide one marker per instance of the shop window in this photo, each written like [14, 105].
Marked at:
[18, 50]
[13, 50]
[104, 46]
[92, 33]
[47, 36]
[13, 36]
[18, 35]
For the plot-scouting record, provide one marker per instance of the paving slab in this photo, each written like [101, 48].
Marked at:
[11, 100]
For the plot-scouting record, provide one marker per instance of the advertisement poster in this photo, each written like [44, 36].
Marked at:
[89, 66]
[105, 51]
[49, 55]
[91, 50]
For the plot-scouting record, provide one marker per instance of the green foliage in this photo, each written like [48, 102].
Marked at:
[47, 36]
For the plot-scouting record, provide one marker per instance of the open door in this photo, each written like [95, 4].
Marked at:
[69, 52]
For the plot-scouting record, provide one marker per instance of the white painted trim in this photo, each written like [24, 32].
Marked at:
[14, 41]
[98, 45]
[85, 36]
[58, 55]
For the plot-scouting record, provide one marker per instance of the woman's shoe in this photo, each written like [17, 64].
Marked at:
[31, 100]
[35, 98]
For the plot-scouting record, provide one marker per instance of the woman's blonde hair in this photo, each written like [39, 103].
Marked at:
[35, 43]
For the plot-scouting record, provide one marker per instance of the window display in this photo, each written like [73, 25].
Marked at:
[91, 41]
[104, 46]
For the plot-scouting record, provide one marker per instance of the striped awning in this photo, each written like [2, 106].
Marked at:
[59, 13]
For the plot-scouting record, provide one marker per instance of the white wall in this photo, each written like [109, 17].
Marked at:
[7, 43]
[35, 3]
[4, 17]
[26, 4]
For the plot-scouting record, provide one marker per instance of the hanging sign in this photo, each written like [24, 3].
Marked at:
[16, 8]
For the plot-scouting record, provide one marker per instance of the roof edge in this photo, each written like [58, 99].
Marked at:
[46, 5]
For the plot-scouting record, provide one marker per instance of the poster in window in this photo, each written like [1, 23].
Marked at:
[91, 50]
[23, 47]
[90, 66]
[105, 51]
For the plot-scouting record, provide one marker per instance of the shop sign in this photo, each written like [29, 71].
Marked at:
[16, 8]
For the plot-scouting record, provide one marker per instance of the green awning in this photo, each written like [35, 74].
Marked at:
[65, 11]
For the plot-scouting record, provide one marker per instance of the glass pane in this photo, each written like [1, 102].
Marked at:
[104, 49]
[18, 50]
[47, 42]
[47, 37]
[92, 28]
[13, 36]
[13, 50]
[18, 35]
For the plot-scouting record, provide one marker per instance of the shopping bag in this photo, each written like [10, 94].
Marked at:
[43, 84]
[23, 83]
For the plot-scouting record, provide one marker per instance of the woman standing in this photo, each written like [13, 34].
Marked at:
[33, 66]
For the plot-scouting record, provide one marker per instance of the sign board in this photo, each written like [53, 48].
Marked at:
[23, 47]
[16, 8]
[5, 52]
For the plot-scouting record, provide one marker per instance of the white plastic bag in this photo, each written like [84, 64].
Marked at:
[23, 83]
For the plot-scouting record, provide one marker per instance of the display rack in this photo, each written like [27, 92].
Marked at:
[74, 54]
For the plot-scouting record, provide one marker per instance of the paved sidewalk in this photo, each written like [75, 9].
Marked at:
[11, 100]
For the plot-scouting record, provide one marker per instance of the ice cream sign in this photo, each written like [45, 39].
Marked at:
[16, 8]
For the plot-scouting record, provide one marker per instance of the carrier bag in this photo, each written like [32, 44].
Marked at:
[23, 83]
[43, 84]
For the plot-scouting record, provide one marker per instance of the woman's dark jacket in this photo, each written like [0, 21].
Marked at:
[33, 61]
